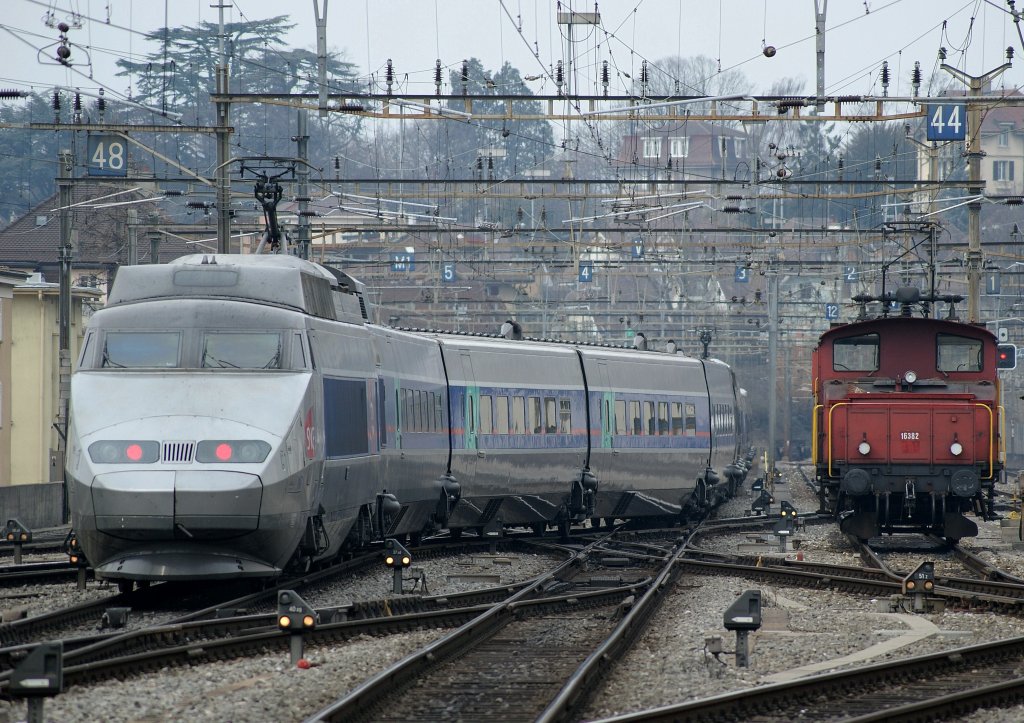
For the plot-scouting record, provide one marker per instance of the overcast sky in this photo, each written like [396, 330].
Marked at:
[413, 33]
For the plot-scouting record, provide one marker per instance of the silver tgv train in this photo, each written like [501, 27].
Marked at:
[236, 416]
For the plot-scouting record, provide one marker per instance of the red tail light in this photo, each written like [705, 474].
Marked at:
[243, 451]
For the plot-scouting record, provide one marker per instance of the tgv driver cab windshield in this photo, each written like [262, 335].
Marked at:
[198, 349]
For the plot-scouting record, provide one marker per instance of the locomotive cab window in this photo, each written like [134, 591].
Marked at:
[855, 354]
[130, 349]
[958, 353]
[241, 350]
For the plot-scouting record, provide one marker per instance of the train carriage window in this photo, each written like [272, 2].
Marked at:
[958, 353]
[501, 415]
[620, 417]
[855, 353]
[663, 427]
[439, 412]
[534, 421]
[564, 416]
[649, 418]
[677, 419]
[550, 416]
[403, 408]
[518, 415]
[691, 420]
[128, 349]
[636, 423]
[486, 414]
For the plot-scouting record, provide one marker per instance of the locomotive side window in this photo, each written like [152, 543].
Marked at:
[486, 414]
[855, 353]
[691, 420]
[124, 349]
[620, 416]
[501, 415]
[634, 414]
[958, 353]
[241, 350]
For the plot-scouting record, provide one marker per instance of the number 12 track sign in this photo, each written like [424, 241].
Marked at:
[946, 121]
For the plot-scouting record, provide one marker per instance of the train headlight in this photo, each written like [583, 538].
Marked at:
[124, 452]
[956, 449]
[246, 451]
[910, 376]
[864, 448]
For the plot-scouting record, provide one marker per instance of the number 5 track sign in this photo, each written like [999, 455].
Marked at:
[946, 121]
[108, 156]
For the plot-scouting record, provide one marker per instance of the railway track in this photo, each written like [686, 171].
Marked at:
[559, 646]
[923, 688]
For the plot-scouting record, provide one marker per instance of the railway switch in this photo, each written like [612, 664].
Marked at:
[743, 616]
[397, 558]
[38, 676]
[17, 534]
[295, 616]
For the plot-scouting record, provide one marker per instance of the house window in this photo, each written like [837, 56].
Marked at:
[652, 147]
[1004, 134]
[679, 147]
[1002, 170]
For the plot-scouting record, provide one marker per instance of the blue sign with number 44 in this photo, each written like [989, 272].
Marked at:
[946, 121]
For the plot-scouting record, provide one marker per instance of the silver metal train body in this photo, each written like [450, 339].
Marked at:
[237, 415]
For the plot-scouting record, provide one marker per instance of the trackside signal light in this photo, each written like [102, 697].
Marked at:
[295, 615]
[1006, 356]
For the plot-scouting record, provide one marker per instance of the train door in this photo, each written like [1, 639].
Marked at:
[470, 416]
[607, 407]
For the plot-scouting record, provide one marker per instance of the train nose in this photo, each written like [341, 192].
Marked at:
[164, 504]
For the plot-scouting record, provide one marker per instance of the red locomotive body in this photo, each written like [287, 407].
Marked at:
[906, 424]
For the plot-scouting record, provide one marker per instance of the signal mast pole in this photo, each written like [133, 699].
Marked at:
[975, 84]
[223, 143]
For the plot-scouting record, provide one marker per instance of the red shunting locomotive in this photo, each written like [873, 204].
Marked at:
[907, 420]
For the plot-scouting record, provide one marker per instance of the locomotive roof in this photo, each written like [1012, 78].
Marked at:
[894, 324]
[280, 280]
